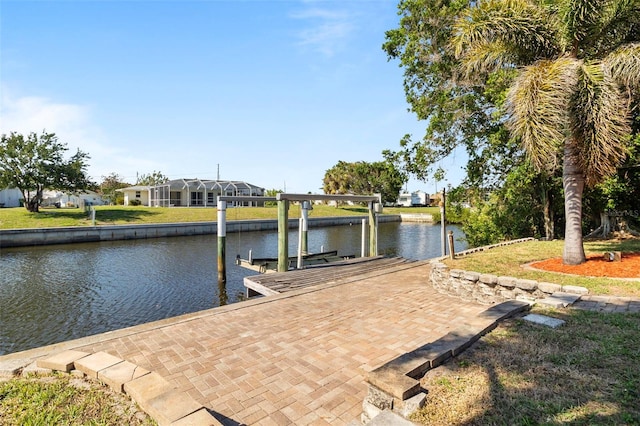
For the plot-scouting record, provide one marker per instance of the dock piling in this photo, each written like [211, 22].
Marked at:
[222, 243]
[373, 230]
[300, 239]
[363, 244]
[306, 206]
[283, 235]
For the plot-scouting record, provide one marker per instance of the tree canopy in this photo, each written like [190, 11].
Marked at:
[109, 186]
[36, 162]
[152, 179]
[572, 69]
[360, 177]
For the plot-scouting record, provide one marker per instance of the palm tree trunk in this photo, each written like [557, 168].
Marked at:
[573, 180]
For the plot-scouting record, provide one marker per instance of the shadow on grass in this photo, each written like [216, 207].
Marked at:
[630, 245]
[123, 215]
[106, 215]
[585, 372]
[364, 210]
[53, 214]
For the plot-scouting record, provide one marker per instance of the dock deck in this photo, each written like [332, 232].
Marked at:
[334, 272]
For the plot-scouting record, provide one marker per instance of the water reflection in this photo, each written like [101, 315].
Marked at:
[55, 293]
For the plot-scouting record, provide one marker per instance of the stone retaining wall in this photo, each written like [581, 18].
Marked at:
[490, 289]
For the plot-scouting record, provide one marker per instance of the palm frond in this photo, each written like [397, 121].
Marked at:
[521, 25]
[482, 57]
[537, 105]
[600, 122]
[623, 64]
[617, 24]
[583, 18]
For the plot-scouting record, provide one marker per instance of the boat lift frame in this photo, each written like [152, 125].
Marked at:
[283, 200]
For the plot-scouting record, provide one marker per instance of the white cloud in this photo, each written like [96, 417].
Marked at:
[74, 126]
[328, 30]
[34, 114]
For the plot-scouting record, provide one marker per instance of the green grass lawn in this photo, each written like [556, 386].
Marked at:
[509, 261]
[65, 400]
[19, 218]
[585, 372]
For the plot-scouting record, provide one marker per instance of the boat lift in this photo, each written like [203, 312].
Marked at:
[283, 200]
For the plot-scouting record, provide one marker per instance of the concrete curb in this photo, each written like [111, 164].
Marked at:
[153, 394]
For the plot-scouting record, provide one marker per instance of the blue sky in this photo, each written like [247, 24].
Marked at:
[274, 92]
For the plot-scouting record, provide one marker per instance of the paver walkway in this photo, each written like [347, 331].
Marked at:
[608, 304]
[298, 358]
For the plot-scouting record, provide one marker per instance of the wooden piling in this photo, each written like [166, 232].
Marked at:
[452, 252]
[306, 206]
[373, 230]
[283, 235]
[222, 243]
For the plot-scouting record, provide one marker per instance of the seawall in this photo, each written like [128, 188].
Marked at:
[80, 234]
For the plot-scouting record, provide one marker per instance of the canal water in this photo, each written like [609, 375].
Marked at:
[50, 294]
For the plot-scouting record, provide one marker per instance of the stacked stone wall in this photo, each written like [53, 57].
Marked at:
[490, 289]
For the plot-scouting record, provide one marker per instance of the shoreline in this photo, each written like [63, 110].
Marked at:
[29, 237]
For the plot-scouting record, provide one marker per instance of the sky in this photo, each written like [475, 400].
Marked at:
[269, 92]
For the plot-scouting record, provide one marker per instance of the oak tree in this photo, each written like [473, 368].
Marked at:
[36, 162]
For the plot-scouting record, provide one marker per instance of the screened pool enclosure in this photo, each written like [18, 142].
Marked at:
[201, 193]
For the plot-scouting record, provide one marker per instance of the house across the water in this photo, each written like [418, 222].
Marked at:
[12, 197]
[191, 193]
[417, 198]
[65, 199]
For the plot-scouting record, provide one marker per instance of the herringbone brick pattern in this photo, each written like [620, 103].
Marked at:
[300, 359]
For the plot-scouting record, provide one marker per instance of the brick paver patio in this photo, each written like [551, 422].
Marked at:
[298, 358]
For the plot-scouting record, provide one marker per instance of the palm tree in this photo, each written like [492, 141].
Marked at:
[578, 69]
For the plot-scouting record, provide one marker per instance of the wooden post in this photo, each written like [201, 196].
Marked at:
[306, 206]
[373, 230]
[443, 224]
[222, 242]
[363, 244]
[300, 262]
[452, 252]
[283, 235]
[222, 290]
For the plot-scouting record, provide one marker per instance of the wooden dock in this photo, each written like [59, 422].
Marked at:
[335, 272]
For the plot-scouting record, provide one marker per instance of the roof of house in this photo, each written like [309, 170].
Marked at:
[208, 184]
[134, 188]
[197, 184]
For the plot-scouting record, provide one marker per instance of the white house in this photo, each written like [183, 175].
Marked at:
[137, 192]
[10, 197]
[51, 198]
[191, 193]
[416, 198]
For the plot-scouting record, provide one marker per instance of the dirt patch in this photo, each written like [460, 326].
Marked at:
[595, 266]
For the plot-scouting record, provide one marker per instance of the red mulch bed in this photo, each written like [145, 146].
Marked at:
[596, 266]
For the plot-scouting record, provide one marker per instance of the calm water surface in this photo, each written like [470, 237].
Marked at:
[55, 293]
